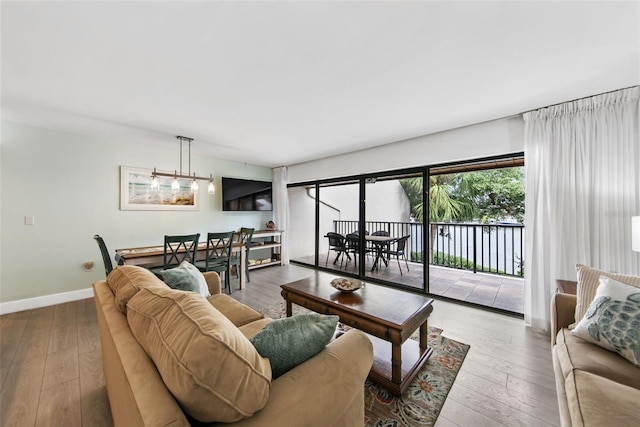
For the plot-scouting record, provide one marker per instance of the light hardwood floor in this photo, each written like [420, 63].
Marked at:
[51, 373]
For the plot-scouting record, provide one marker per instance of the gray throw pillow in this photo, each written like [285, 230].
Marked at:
[290, 341]
[186, 277]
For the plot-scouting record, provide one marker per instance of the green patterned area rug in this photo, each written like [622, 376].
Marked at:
[421, 403]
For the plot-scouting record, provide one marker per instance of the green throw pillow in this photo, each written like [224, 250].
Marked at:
[186, 277]
[290, 341]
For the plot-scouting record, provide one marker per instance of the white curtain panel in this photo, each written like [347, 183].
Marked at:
[281, 208]
[582, 163]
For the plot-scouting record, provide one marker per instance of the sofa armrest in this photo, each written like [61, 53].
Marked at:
[213, 282]
[328, 388]
[563, 307]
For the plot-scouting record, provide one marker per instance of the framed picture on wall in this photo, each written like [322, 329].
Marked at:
[136, 193]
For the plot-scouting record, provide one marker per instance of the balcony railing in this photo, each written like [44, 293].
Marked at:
[489, 248]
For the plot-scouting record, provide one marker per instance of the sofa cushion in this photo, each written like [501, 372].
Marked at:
[126, 280]
[613, 319]
[289, 341]
[250, 329]
[186, 277]
[588, 281]
[575, 353]
[238, 313]
[209, 366]
[597, 401]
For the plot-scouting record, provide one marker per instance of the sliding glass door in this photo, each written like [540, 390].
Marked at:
[450, 230]
[338, 221]
[393, 221]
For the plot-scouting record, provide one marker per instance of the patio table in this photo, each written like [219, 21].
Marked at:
[379, 242]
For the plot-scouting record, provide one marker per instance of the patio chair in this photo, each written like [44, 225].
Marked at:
[352, 246]
[337, 244]
[398, 252]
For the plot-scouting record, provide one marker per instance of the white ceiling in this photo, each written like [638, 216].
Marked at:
[278, 83]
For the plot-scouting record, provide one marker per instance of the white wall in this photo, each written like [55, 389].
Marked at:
[71, 185]
[493, 138]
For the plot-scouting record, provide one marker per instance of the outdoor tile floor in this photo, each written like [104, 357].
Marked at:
[501, 292]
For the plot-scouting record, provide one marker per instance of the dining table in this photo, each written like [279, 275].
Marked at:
[153, 256]
[379, 242]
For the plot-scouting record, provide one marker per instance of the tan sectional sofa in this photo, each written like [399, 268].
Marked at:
[596, 387]
[326, 390]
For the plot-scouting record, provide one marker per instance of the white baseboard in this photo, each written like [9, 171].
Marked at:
[47, 300]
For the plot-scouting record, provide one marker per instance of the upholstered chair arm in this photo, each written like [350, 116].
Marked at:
[213, 282]
[327, 389]
[563, 307]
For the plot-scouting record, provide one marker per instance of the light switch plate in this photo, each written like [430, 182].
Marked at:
[29, 220]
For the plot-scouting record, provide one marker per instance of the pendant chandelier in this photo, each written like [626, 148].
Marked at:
[175, 185]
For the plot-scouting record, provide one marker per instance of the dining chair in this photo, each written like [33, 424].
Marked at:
[243, 237]
[398, 251]
[178, 249]
[217, 255]
[106, 258]
[352, 246]
[337, 244]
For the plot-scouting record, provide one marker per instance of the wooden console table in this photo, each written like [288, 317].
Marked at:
[153, 256]
[259, 242]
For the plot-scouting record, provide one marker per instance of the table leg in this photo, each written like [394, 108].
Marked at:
[424, 335]
[382, 248]
[396, 363]
[289, 308]
[378, 255]
[243, 263]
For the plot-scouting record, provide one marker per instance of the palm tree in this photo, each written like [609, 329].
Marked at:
[443, 206]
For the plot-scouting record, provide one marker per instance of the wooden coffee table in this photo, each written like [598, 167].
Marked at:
[387, 315]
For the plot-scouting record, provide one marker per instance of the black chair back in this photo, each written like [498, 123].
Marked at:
[352, 241]
[336, 241]
[106, 258]
[402, 242]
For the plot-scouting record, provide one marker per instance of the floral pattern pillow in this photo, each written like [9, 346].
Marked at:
[612, 320]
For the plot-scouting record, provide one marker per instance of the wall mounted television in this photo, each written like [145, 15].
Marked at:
[246, 195]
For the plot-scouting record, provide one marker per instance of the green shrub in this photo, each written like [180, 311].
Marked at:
[440, 258]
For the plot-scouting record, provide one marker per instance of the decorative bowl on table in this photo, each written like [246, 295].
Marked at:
[347, 285]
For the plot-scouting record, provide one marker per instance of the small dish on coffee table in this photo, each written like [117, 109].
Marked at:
[344, 284]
